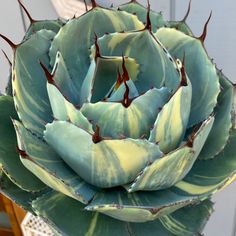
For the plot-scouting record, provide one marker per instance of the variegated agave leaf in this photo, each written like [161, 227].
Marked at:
[112, 121]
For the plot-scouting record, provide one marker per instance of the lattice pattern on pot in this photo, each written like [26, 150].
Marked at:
[35, 226]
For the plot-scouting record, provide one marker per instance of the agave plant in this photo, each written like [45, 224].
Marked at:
[123, 124]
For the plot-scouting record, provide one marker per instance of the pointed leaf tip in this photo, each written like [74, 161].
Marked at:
[48, 75]
[94, 4]
[22, 153]
[184, 81]
[96, 136]
[119, 80]
[12, 45]
[187, 13]
[196, 130]
[125, 77]
[204, 33]
[86, 6]
[191, 140]
[148, 25]
[26, 12]
[6, 56]
[126, 101]
[181, 70]
[192, 136]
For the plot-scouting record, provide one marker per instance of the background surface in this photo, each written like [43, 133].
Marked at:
[220, 43]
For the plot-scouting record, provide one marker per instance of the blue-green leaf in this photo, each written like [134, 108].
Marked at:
[172, 121]
[9, 158]
[76, 222]
[189, 220]
[63, 81]
[29, 81]
[16, 194]
[115, 120]
[42, 161]
[118, 95]
[64, 110]
[220, 132]
[180, 26]
[173, 167]
[209, 176]
[104, 164]
[76, 37]
[102, 76]
[199, 68]
[157, 67]
[68, 217]
[140, 206]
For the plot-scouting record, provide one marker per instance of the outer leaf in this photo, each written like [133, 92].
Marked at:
[103, 164]
[115, 120]
[209, 176]
[172, 121]
[143, 229]
[77, 222]
[29, 81]
[173, 167]
[16, 194]
[189, 220]
[9, 158]
[102, 75]
[157, 67]
[220, 132]
[63, 110]
[201, 72]
[139, 10]
[138, 207]
[41, 160]
[99, 21]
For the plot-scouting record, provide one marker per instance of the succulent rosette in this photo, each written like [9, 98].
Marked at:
[123, 124]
